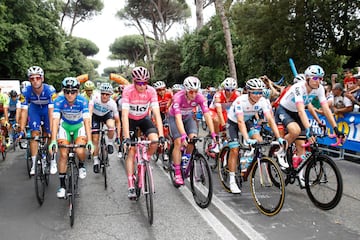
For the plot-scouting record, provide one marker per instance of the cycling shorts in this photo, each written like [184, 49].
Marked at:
[189, 125]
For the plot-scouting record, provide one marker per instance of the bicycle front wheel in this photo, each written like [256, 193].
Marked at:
[39, 180]
[323, 182]
[28, 161]
[149, 191]
[71, 193]
[268, 195]
[104, 162]
[200, 181]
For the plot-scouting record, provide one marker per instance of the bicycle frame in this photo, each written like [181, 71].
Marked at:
[141, 157]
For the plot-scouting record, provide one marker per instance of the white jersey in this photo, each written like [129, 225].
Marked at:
[100, 108]
[298, 94]
[242, 106]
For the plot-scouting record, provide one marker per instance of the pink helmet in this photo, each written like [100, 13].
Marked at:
[140, 74]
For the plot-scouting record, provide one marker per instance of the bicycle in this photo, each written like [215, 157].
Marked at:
[144, 183]
[199, 172]
[42, 167]
[163, 150]
[103, 153]
[267, 190]
[72, 176]
[322, 176]
[212, 149]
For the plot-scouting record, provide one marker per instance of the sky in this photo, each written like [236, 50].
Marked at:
[105, 28]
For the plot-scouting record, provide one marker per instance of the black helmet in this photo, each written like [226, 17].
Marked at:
[13, 93]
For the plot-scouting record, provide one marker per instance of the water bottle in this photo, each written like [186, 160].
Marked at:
[185, 160]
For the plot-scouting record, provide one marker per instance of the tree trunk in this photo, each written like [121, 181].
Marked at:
[199, 14]
[229, 48]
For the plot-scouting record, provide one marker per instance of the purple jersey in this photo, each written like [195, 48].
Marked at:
[181, 105]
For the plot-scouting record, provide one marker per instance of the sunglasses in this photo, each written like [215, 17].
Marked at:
[68, 91]
[141, 83]
[159, 90]
[257, 92]
[192, 91]
[229, 89]
[317, 78]
[106, 94]
[34, 78]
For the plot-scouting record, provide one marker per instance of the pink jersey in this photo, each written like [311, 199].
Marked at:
[181, 105]
[139, 103]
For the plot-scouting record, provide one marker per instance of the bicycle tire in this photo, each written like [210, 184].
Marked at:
[71, 194]
[268, 201]
[223, 170]
[47, 170]
[3, 151]
[28, 161]
[148, 187]
[39, 181]
[103, 161]
[201, 181]
[172, 168]
[323, 175]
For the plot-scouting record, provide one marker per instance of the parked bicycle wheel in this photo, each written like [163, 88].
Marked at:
[323, 182]
[268, 196]
[149, 193]
[223, 169]
[39, 179]
[200, 181]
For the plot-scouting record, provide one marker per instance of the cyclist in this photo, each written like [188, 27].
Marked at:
[182, 123]
[71, 114]
[4, 109]
[176, 88]
[222, 102]
[164, 98]
[37, 104]
[291, 111]
[14, 112]
[240, 117]
[103, 109]
[137, 99]
[89, 87]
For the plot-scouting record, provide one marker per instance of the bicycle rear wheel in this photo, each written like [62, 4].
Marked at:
[72, 193]
[323, 182]
[200, 181]
[268, 195]
[3, 151]
[148, 186]
[39, 180]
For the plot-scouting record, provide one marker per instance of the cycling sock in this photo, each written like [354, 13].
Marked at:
[232, 176]
[81, 164]
[33, 158]
[62, 179]
[130, 181]
[96, 160]
[177, 169]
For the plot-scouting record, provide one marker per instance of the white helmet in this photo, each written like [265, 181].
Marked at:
[106, 88]
[177, 87]
[192, 83]
[299, 78]
[314, 71]
[159, 85]
[255, 83]
[24, 84]
[35, 70]
[229, 83]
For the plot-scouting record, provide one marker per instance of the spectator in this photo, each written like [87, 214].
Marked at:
[339, 103]
[349, 80]
[354, 94]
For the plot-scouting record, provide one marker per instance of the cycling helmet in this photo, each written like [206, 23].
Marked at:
[159, 85]
[212, 89]
[140, 74]
[70, 83]
[106, 88]
[177, 87]
[314, 71]
[13, 93]
[24, 84]
[255, 83]
[35, 70]
[229, 83]
[192, 83]
[89, 85]
[299, 78]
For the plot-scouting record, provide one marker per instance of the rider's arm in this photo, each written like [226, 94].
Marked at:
[209, 122]
[50, 115]
[23, 119]
[87, 125]
[6, 114]
[158, 120]
[242, 126]
[55, 128]
[312, 111]
[180, 124]
[328, 114]
[219, 110]
[118, 125]
[125, 123]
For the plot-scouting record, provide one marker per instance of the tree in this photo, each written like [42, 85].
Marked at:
[79, 11]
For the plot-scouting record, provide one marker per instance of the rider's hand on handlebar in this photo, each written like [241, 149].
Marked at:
[251, 141]
[53, 146]
[310, 135]
[338, 133]
[90, 146]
